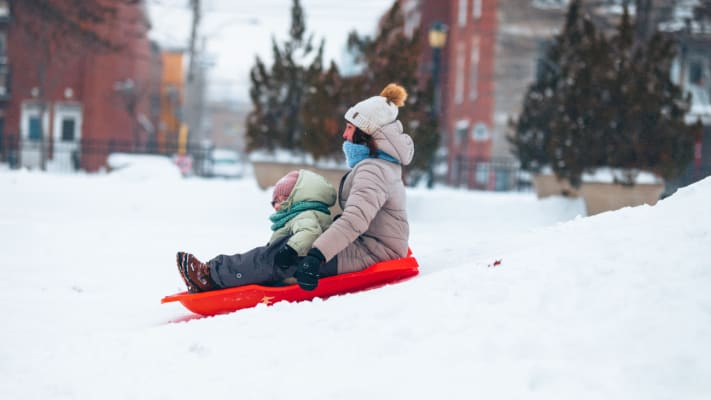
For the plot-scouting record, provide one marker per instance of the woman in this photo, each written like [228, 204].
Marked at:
[373, 226]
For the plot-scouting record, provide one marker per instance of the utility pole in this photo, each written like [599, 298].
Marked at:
[191, 129]
[195, 7]
[643, 20]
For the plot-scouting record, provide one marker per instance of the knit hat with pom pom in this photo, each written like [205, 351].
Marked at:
[373, 113]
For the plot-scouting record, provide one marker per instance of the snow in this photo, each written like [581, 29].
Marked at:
[612, 306]
[142, 166]
[286, 156]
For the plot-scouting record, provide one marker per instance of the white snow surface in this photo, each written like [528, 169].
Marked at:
[615, 306]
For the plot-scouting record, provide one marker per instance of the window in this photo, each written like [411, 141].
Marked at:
[474, 68]
[476, 9]
[35, 128]
[480, 132]
[3, 81]
[3, 46]
[462, 13]
[459, 89]
[543, 65]
[68, 129]
[696, 72]
[460, 135]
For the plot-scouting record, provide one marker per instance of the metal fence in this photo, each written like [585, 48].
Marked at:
[88, 154]
[493, 174]
[91, 155]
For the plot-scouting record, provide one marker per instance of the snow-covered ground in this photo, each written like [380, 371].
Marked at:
[616, 306]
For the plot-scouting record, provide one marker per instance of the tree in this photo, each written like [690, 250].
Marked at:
[321, 114]
[279, 93]
[392, 56]
[605, 102]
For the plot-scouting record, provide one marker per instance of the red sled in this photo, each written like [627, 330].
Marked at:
[237, 298]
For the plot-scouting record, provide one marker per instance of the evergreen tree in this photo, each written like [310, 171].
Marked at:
[322, 113]
[604, 103]
[278, 94]
[392, 56]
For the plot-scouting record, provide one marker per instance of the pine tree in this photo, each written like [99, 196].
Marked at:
[604, 102]
[279, 93]
[558, 104]
[322, 113]
[392, 56]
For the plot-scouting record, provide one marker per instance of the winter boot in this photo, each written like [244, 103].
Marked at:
[195, 273]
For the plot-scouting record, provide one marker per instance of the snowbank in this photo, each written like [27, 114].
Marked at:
[613, 306]
[142, 167]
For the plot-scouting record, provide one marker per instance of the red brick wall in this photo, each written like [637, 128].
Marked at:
[478, 109]
[90, 73]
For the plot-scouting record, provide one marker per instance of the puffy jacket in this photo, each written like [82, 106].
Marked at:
[308, 225]
[373, 226]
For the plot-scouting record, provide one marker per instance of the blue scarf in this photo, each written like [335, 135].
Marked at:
[280, 218]
[356, 153]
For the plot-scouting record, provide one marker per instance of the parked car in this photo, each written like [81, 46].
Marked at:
[225, 163]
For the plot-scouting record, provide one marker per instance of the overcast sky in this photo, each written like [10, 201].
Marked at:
[237, 30]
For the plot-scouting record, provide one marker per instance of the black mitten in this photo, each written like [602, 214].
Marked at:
[307, 271]
[286, 257]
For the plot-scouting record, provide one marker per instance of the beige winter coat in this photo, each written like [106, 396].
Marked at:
[373, 226]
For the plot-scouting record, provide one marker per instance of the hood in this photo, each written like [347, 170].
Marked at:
[391, 139]
[311, 186]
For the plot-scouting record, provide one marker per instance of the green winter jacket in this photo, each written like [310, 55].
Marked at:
[308, 225]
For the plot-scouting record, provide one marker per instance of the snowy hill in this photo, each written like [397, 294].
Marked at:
[613, 306]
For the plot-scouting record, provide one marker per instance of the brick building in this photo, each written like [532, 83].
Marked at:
[466, 83]
[76, 93]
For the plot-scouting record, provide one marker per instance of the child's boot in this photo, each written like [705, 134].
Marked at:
[195, 273]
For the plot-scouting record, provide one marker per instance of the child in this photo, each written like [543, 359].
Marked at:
[301, 200]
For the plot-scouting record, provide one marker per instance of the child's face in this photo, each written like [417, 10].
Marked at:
[348, 132]
[277, 202]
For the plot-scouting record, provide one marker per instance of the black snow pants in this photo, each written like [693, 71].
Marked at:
[257, 266]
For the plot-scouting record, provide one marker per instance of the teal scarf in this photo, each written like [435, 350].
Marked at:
[356, 153]
[280, 218]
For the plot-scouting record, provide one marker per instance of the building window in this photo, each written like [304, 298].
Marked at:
[459, 89]
[460, 133]
[476, 9]
[480, 133]
[3, 47]
[462, 13]
[696, 72]
[4, 8]
[4, 81]
[68, 130]
[474, 68]
[35, 128]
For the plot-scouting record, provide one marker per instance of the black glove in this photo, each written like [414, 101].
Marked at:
[286, 257]
[307, 271]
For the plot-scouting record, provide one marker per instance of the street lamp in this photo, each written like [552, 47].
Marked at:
[437, 38]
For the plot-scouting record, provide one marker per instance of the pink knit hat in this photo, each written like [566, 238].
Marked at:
[285, 185]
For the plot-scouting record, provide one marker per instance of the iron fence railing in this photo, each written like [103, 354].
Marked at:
[92, 155]
[88, 154]
[488, 174]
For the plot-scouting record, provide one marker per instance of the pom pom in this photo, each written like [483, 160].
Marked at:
[395, 94]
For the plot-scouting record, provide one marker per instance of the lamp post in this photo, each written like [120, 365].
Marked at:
[437, 38]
